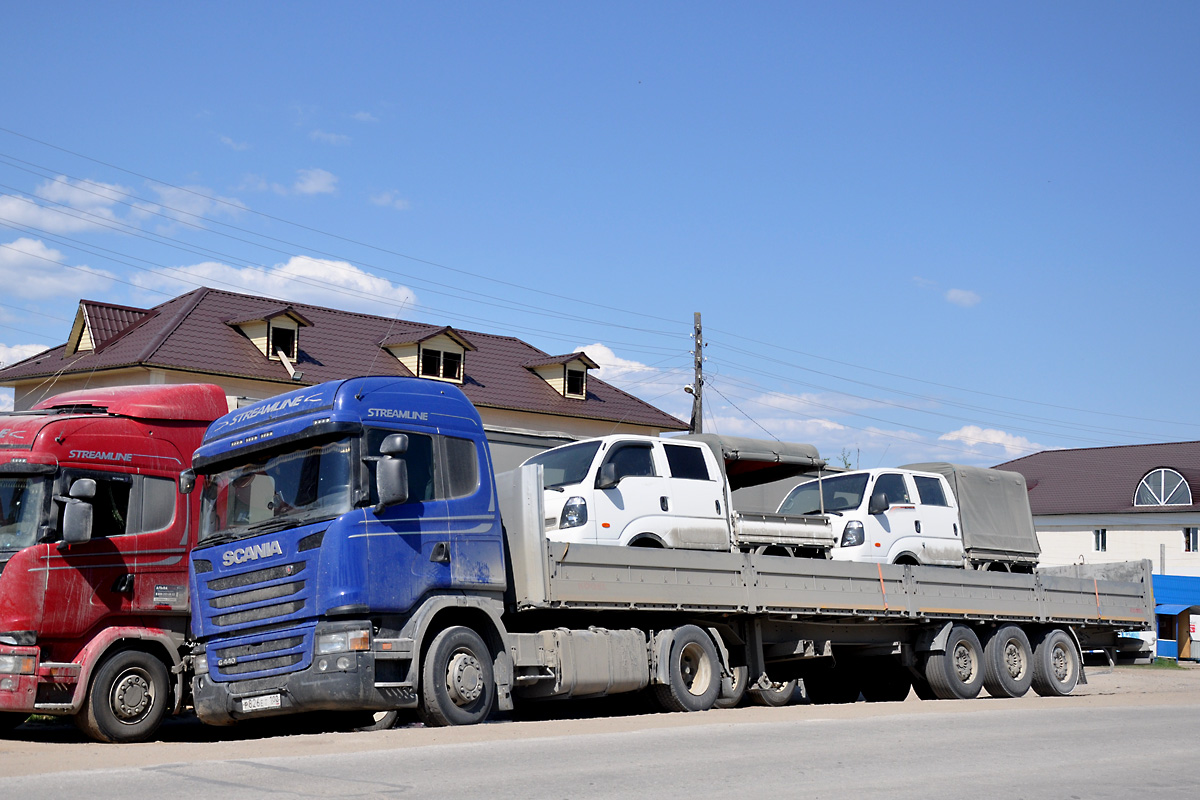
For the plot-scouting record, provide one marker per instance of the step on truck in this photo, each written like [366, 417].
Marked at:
[94, 539]
[357, 554]
[643, 491]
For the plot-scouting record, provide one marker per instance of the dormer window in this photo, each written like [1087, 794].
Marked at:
[438, 353]
[444, 364]
[281, 339]
[566, 374]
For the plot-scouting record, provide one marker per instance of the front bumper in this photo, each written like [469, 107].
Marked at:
[352, 687]
[18, 690]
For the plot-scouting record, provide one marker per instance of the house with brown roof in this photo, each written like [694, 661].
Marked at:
[1102, 504]
[255, 347]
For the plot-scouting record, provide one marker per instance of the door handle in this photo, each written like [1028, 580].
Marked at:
[918, 524]
[662, 503]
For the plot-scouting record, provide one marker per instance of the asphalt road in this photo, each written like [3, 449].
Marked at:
[1117, 740]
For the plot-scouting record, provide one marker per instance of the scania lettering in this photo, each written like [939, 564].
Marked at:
[410, 576]
[253, 553]
[94, 537]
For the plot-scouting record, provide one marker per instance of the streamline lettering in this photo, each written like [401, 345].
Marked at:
[397, 413]
[12, 433]
[272, 408]
[98, 455]
[254, 552]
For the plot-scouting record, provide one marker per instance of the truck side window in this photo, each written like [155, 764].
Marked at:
[462, 466]
[686, 462]
[110, 507]
[633, 461]
[158, 505]
[893, 486]
[930, 490]
[422, 471]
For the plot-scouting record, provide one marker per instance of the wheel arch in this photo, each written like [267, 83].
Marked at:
[481, 615]
[164, 645]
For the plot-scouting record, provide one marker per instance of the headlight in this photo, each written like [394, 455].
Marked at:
[342, 641]
[854, 534]
[18, 665]
[574, 513]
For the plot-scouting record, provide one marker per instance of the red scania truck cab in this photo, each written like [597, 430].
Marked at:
[94, 538]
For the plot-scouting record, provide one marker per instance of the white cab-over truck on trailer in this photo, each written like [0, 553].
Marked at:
[925, 514]
[644, 491]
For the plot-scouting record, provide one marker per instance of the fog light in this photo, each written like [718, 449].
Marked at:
[323, 665]
[8, 684]
[343, 663]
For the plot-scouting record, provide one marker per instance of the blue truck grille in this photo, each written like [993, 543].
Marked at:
[246, 657]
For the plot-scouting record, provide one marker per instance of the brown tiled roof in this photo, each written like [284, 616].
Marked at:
[1103, 480]
[106, 321]
[190, 333]
[417, 336]
[271, 313]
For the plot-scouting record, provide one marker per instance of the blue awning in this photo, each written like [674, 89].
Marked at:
[1171, 609]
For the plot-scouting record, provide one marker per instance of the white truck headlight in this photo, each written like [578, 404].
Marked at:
[854, 534]
[18, 665]
[574, 513]
[343, 641]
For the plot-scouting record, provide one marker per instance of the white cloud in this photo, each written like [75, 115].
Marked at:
[95, 201]
[6, 399]
[963, 297]
[188, 204]
[315, 181]
[232, 145]
[364, 116]
[28, 268]
[335, 139]
[986, 441]
[335, 284]
[12, 353]
[392, 199]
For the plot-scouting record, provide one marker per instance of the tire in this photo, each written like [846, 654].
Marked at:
[778, 696]
[457, 684]
[1055, 665]
[10, 720]
[380, 721]
[128, 698]
[733, 690]
[956, 674]
[1007, 663]
[693, 672]
[883, 679]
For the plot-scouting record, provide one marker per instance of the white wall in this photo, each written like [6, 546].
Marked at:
[1131, 537]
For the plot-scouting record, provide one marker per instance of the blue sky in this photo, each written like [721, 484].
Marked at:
[914, 231]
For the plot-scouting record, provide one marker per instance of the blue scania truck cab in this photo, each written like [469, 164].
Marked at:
[338, 523]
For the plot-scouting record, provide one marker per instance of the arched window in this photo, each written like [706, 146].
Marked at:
[1163, 487]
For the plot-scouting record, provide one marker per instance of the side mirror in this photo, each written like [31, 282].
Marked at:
[391, 479]
[77, 511]
[187, 481]
[607, 478]
[394, 445]
[878, 504]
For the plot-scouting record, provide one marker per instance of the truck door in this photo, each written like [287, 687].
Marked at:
[697, 502]
[894, 531]
[159, 521]
[476, 540]
[93, 580]
[638, 502]
[939, 521]
[402, 538]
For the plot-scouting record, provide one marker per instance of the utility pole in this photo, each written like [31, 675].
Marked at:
[697, 425]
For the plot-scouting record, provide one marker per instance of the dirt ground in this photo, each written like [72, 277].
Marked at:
[55, 746]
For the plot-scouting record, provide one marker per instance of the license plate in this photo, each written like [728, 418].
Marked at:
[261, 703]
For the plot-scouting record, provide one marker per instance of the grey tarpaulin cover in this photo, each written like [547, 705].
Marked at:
[993, 505]
[751, 462]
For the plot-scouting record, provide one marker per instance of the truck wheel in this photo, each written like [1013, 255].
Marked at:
[778, 696]
[1055, 665]
[693, 673]
[457, 685]
[11, 719]
[127, 700]
[733, 690]
[957, 674]
[883, 679]
[1007, 663]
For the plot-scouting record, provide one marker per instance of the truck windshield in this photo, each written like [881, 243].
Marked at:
[568, 465]
[285, 490]
[22, 509]
[842, 493]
